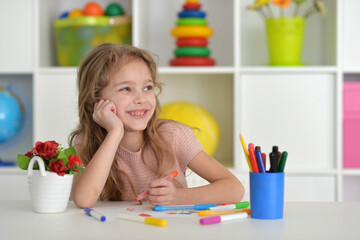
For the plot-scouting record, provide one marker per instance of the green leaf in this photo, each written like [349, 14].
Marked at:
[23, 161]
[62, 156]
[70, 151]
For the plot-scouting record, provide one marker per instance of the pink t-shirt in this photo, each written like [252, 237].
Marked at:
[184, 144]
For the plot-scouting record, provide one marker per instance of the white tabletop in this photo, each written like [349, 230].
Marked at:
[301, 221]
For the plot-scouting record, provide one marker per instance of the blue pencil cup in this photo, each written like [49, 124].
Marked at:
[267, 195]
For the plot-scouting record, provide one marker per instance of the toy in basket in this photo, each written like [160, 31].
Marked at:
[77, 34]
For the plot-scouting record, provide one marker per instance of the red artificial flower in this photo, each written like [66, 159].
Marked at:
[58, 167]
[46, 150]
[29, 154]
[74, 161]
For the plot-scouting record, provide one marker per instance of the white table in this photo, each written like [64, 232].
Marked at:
[301, 221]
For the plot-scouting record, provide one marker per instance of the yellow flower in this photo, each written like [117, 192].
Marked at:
[262, 2]
[320, 6]
[254, 6]
[282, 3]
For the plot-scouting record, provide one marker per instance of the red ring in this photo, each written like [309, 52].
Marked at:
[191, 41]
[191, 6]
[192, 61]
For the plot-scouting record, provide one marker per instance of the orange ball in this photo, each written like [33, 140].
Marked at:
[93, 9]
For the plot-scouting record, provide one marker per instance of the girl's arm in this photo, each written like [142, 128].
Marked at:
[224, 187]
[88, 185]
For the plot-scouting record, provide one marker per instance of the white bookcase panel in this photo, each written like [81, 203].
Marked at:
[292, 112]
[16, 45]
[351, 33]
[310, 188]
[55, 111]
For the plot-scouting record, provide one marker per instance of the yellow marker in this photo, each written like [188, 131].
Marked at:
[205, 213]
[147, 220]
[246, 152]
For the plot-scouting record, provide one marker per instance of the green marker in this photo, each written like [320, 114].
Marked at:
[232, 206]
[282, 161]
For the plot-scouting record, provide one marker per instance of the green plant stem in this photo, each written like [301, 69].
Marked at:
[309, 11]
[269, 10]
[261, 13]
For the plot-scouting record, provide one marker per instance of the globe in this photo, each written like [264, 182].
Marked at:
[15, 118]
[11, 117]
[204, 125]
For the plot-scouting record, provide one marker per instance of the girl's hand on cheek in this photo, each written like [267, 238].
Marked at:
[162, 192]
[105, 115]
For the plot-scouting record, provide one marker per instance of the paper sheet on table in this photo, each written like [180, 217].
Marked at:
[144, 210]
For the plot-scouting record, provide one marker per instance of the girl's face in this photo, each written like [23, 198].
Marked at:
[131, 89]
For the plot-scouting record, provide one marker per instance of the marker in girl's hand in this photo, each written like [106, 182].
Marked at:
[146, 192]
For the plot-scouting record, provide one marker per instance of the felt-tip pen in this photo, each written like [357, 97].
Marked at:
[238, 205]
[92, 213]
[196, 207]
[222, 218]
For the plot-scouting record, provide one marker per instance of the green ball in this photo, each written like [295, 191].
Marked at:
[114, 9]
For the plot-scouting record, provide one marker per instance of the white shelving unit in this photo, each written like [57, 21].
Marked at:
[297, 108]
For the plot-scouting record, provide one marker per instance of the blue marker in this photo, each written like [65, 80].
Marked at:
[260, 161]
[91, 212]
[196, 207]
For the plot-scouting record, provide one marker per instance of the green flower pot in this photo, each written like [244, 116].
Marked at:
[285, 40]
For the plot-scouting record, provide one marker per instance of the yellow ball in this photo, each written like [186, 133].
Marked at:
[192, 115]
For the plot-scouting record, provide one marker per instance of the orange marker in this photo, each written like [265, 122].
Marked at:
[146, 192]
[205, 213]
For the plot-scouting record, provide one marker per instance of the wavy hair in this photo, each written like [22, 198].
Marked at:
[93, 75]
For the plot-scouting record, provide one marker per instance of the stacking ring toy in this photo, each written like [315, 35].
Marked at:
[192, 52]
[192, 14]
[191, 41]
[191, 22]
[191, 6]
[192, 61]
[192, 1]
[191, 31]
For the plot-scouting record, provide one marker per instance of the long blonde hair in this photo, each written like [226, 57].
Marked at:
[93, 75]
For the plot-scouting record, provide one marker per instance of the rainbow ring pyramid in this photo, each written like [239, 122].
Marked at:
[192, 32]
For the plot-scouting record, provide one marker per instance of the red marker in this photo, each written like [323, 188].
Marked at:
[253, 160]
[146, 192]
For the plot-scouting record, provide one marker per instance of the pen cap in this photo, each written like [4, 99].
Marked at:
[267, 195]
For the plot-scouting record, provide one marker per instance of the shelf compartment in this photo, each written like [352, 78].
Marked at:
[214, 92]
[159, 17]
[291, 112]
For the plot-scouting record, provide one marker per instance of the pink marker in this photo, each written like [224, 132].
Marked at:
[223, 218]
[146, 192]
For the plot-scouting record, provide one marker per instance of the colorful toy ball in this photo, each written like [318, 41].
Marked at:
[93, 9]
[75, 13]
[114, 9]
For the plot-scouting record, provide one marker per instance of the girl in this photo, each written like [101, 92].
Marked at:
[126, 148]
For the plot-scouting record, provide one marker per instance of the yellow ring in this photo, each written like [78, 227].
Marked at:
[191, 31]
[192, 1]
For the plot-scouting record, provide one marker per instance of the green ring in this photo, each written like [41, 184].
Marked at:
[191, 22]
[192, 52]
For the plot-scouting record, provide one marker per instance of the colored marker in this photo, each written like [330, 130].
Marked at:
[223, 218]
[282, 161]
[274, 155]
[260, 161]
[264, 159]
[146, 192]
[253, 160]
[92, 213]
[233, 206]
[206, 213]
[246, 152]
[196, 207]
[147, 220]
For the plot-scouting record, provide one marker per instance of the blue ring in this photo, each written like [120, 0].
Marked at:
[192, 14]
